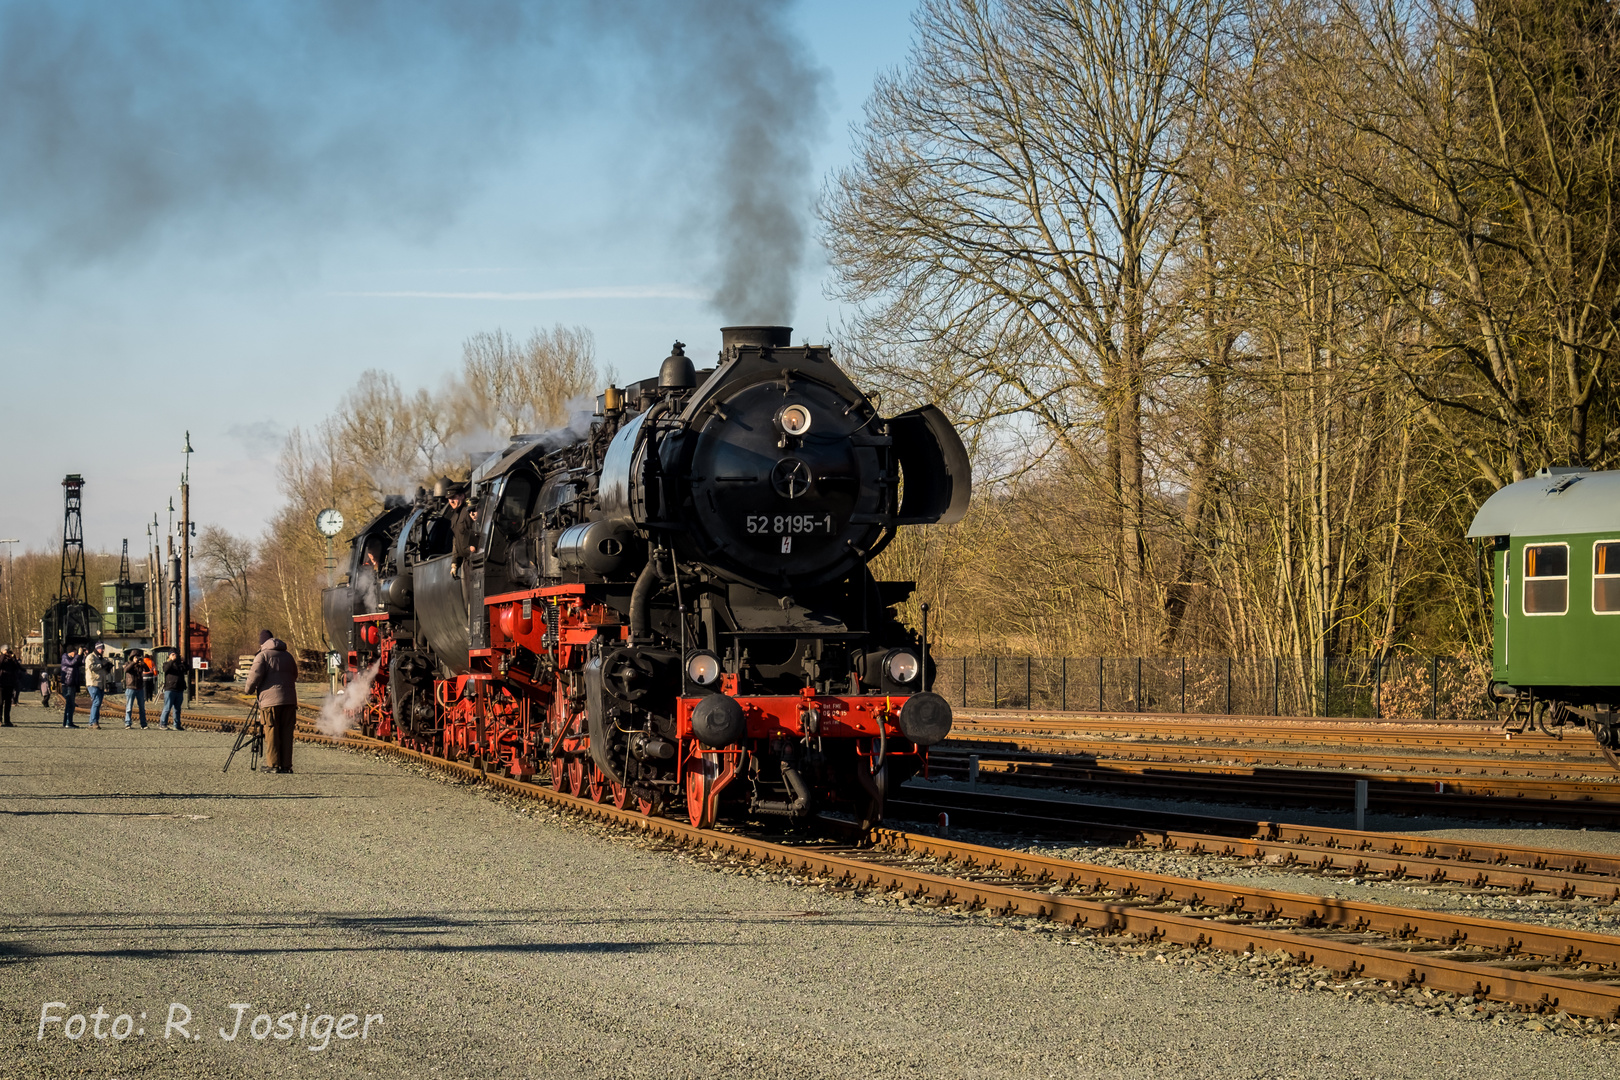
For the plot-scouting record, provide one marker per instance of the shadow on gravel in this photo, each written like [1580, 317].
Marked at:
[13, 951]
[84, 813]
[93, 797]
[514, 948]
[74, 936]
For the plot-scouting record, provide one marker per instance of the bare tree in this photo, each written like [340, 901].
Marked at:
[1019, 193]
[1484, 135]
[514, 390]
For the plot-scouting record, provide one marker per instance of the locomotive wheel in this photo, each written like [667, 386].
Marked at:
[559, 774]
[698, 786]
[621, 796]
[576, 776]
[598, 785]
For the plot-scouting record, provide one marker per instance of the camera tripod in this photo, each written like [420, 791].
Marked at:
[251, 733]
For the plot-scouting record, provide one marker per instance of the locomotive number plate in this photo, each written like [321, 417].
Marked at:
[790, 524]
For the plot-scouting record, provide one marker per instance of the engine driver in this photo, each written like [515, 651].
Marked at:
[462, 519]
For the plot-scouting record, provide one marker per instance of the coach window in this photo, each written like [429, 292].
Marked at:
[1606, 577]
[1546, 579]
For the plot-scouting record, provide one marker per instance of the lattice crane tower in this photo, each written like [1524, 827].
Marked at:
[74, 587]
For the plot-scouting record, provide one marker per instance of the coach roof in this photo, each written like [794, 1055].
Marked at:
[1552, 503]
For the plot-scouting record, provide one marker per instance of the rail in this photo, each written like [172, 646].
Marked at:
[1538, 968]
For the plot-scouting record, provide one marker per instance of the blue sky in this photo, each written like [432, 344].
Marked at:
[159, 271]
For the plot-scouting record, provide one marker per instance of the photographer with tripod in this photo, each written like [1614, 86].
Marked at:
[273, 677]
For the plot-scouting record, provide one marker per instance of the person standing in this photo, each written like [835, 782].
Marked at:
[174, 690]
[461, 528]
[11, 673]
[273, 677]
[98, 672]
[134, 688]
[72, 679]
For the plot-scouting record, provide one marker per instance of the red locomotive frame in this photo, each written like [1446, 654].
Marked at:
[521, 706]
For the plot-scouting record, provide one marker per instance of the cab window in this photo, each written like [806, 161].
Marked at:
[1546, 579]
[514, 507]
[1606, 577]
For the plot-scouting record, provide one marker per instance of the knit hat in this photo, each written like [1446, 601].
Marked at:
[264, 636]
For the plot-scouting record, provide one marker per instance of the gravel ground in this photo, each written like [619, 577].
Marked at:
[500, 939]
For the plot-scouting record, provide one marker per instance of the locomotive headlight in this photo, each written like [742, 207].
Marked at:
[703, 668]
[902, 665]
[794, 420]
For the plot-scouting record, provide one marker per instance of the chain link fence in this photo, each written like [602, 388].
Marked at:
[1394, 687]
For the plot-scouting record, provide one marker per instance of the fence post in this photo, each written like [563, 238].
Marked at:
[1029, 683]
[925, 646]
[1065, 681]
[995, 682]
[1434, 688]
[1276, 686]
[1378, 686]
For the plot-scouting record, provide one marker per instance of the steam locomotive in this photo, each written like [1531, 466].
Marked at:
[677, 604]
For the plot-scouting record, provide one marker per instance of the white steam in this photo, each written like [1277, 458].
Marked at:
[340, 712]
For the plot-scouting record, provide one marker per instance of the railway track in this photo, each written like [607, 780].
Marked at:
[1569, 765]
[1346, 852]
[1270, 731]
[1537, 968]
[1572, 802]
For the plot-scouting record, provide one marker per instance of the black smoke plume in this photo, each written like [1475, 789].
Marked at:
[126, 127]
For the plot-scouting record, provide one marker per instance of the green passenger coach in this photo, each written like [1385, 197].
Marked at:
[1553, 542]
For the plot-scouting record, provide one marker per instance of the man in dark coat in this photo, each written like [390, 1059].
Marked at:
[174, 690]
[11, 675]
[273, 677]
[72, 679]
[462, 523]
[134, 688]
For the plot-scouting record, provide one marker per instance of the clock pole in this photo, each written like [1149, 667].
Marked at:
[329, 523]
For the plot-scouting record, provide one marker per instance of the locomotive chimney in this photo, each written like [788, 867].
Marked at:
[772, 337]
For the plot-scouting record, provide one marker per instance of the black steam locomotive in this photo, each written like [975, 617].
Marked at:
[678, 600]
